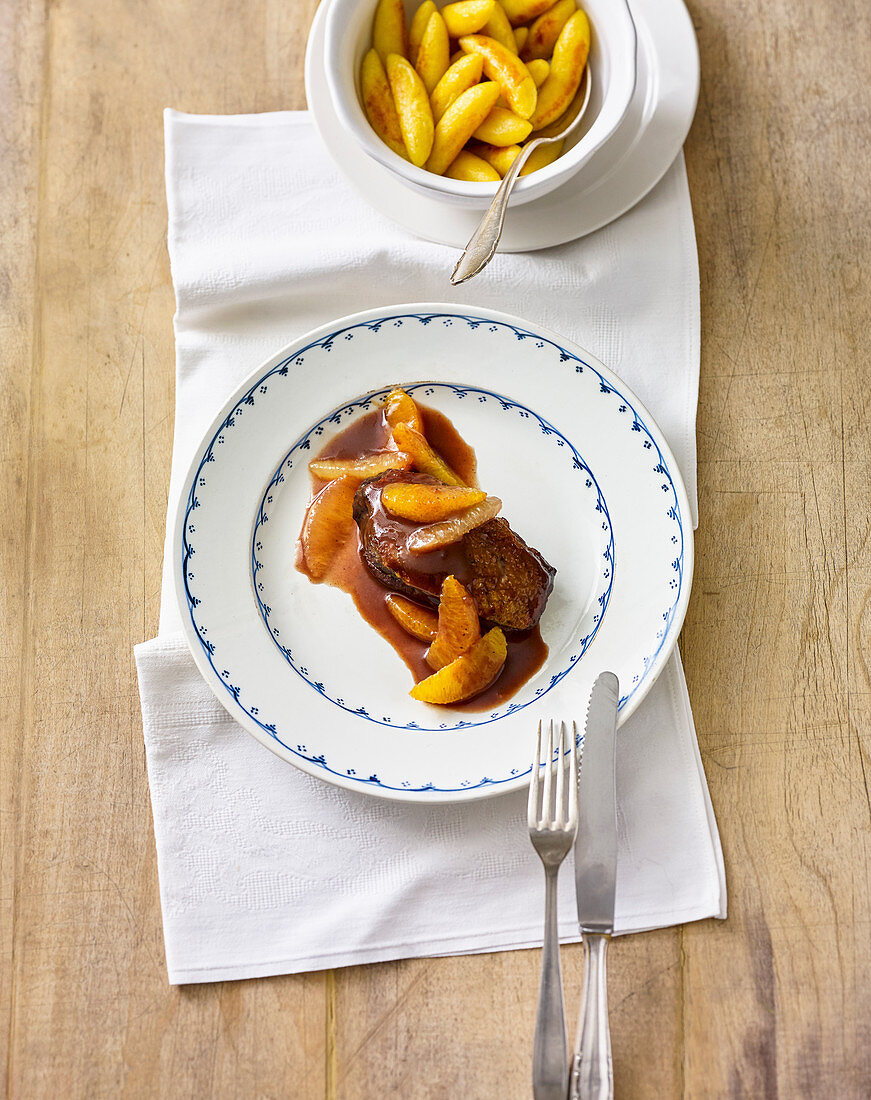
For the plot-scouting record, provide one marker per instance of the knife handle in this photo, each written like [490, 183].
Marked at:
[592, 1071]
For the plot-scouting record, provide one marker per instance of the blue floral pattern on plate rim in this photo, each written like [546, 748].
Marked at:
[303, 447]
[281, 370]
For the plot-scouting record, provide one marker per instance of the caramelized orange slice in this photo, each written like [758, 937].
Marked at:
[436, 535]
[428, 503]
[419, 622]
[459, 628]
[329, 523]
[468, 675]
[423, 457]
[399, 408]
[359, 468]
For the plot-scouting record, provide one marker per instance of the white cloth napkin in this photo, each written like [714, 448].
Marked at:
[264, 870]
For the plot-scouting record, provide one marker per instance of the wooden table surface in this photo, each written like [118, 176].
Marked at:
[774, 1002]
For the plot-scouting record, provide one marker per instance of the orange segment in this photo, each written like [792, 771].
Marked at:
[327, 469]
[329, 522]
[428, 503]
[436, 535]
[459, 628]
[423, 457]
[468, 675]
[419, 622]
[399, 408]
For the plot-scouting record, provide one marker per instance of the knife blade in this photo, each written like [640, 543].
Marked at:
[596, 841]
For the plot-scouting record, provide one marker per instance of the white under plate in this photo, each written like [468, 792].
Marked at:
[584, 474]
[628, 166]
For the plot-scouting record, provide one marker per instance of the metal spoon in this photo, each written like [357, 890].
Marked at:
[482, 244]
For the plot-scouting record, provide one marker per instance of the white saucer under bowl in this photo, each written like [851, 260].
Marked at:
[618, 176]
[584, 475]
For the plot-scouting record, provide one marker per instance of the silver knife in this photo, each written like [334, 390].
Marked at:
[595, 882]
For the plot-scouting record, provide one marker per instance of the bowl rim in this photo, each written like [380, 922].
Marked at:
[354, 121]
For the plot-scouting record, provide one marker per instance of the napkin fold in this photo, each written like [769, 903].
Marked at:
[263, 869]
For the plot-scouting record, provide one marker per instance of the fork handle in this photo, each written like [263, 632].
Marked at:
[550, 1052]
[592, 1070]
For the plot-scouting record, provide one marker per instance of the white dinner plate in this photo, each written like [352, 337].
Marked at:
[620, 174]
[584, 474]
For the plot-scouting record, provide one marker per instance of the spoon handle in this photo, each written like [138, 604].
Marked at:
[482, 244]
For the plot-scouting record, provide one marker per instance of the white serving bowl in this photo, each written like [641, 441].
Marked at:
[348, 35]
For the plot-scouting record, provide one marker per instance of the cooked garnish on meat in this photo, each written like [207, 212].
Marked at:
[429, 503]
[509, 581]
[459, 627]
[420, 622]
[403, 528]
[468, 675]
[423, 457]
[436, 536]
[359, 468]
[328, 522]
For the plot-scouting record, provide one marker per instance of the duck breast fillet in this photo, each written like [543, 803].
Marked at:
[510, 582]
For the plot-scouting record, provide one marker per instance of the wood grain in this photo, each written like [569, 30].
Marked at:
[20, 36]
[775, 639]
[89, 1011]
[777, 644]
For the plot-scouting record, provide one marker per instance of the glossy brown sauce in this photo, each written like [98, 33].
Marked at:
[428, 568]
[526, 652]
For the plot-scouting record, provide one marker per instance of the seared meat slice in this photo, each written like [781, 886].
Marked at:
[382, 541]
[509, 581]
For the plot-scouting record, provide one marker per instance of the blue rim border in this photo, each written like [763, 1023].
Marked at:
[281, 369]
[367, 402]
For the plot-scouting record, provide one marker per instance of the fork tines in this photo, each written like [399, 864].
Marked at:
[553, 796]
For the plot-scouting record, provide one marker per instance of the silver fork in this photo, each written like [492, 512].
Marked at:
[553, 823]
